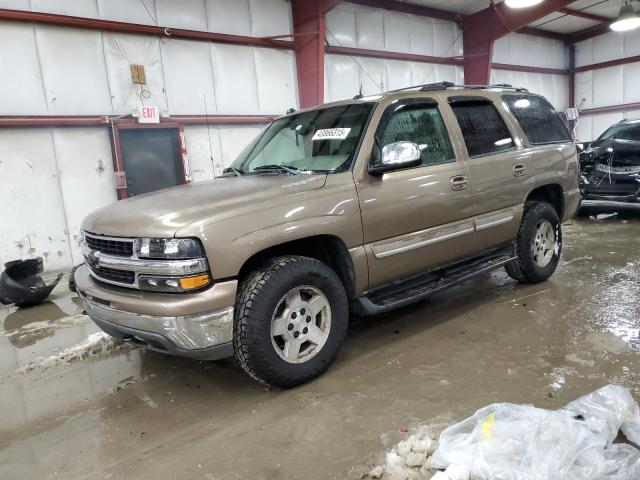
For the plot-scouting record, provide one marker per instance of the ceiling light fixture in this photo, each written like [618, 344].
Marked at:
[521, 3]
[627, 19]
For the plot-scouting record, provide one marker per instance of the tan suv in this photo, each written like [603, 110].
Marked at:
[358, 206]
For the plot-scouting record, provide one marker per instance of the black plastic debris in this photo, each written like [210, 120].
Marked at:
[22, 285]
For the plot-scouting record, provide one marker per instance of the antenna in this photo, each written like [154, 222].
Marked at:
[206, 114]
[359, 95]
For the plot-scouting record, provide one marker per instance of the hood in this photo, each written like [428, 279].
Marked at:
[162, 213]
[617, 152]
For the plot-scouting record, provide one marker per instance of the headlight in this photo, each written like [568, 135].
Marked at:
[169, 248]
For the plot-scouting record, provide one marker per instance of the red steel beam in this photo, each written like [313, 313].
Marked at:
[411, 8]
[585, 15]
[411, 57]
[481, 29]
[610, 63]
[524, 68]
[124, 27]
[101, 120]
[571, 81]
[611, 108]
[537, 32]
[50, 121]
[309, 30]
[587, 33]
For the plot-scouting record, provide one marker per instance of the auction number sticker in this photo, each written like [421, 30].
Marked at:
[331, 134]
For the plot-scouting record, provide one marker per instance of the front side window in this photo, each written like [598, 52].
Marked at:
[322, 140]
[483, 129]
[538, 119]
[627, 131]
[423, 125]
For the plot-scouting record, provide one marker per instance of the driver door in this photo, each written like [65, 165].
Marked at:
[416, 218]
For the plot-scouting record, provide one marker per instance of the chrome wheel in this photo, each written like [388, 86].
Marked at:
[300, 324]
[545, 243]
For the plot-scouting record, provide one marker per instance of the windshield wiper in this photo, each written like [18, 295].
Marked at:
[284, 168]
[233, 170]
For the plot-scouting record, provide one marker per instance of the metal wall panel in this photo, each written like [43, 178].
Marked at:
[235, 79]
[22, 92]
[85, 166]
[352, 25]
[73, 71]
[122, 50]
[15, 4]
[553, 87]
[531, 51]
[229, 16]
[213, 148]
[76, 8]
[140, 11]
[188, 77]
[610, 46]
[189, 14]
[277, 87]
[33, 215]
[344, 75]
[608, 86]
[270, 17]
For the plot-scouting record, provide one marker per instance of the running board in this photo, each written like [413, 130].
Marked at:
[424, 285]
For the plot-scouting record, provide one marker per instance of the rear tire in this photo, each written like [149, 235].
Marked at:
[291, 319]
[538, 245]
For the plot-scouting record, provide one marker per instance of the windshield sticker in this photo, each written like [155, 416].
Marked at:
[331, 134]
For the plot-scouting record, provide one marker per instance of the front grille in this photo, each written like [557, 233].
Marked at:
[606, 188]
[112, 275]
[118, 248]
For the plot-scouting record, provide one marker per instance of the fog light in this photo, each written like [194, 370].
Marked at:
[156, 283]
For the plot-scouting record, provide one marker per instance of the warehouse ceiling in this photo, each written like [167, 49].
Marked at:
[559, 22]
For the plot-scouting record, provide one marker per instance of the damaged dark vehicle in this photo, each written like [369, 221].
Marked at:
[610, 166]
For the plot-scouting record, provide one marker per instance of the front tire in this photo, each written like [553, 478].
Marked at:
[291, 320]
[538, 245]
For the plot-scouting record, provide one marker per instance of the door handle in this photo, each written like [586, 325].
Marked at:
[459, 182]
[519, 169]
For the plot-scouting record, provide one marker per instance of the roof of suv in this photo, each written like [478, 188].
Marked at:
[432, 89]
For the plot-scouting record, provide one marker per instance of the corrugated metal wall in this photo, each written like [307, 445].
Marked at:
[605, 87]
[59, 175]
[351, 25]
[530, 51]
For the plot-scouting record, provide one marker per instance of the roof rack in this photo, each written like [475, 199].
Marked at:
[432, 87]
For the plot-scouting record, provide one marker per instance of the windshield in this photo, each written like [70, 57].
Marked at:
[319, 140]
[627, 131]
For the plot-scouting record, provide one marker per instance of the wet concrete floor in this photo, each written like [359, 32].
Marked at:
[138, 415]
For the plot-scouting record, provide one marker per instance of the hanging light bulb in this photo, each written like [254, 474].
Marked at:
[521, 3]
[627, 19]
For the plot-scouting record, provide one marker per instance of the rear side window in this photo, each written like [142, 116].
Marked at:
[483, 129]
[421, 124]
[538, 119]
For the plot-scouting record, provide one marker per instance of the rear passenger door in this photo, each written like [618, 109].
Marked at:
[499, 169]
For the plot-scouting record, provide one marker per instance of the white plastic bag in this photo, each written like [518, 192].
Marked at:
[520, 442]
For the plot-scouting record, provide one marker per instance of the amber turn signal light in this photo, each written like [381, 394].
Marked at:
[189, 283]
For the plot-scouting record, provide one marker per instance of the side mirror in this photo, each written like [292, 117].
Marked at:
[396, 156]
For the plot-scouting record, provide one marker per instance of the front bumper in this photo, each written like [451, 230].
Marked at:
[197, 325]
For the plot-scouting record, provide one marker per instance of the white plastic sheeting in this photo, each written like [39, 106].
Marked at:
[553, 87]
[351, 25]
[344, 75]
[213, 148]
[70, 71]
[610, 46]
[241, 17]
[531, 51]
[608, 86]
[53, 178]
[591, 126]
[514, 442]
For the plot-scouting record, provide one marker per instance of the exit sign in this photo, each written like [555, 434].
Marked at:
[148, 115]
